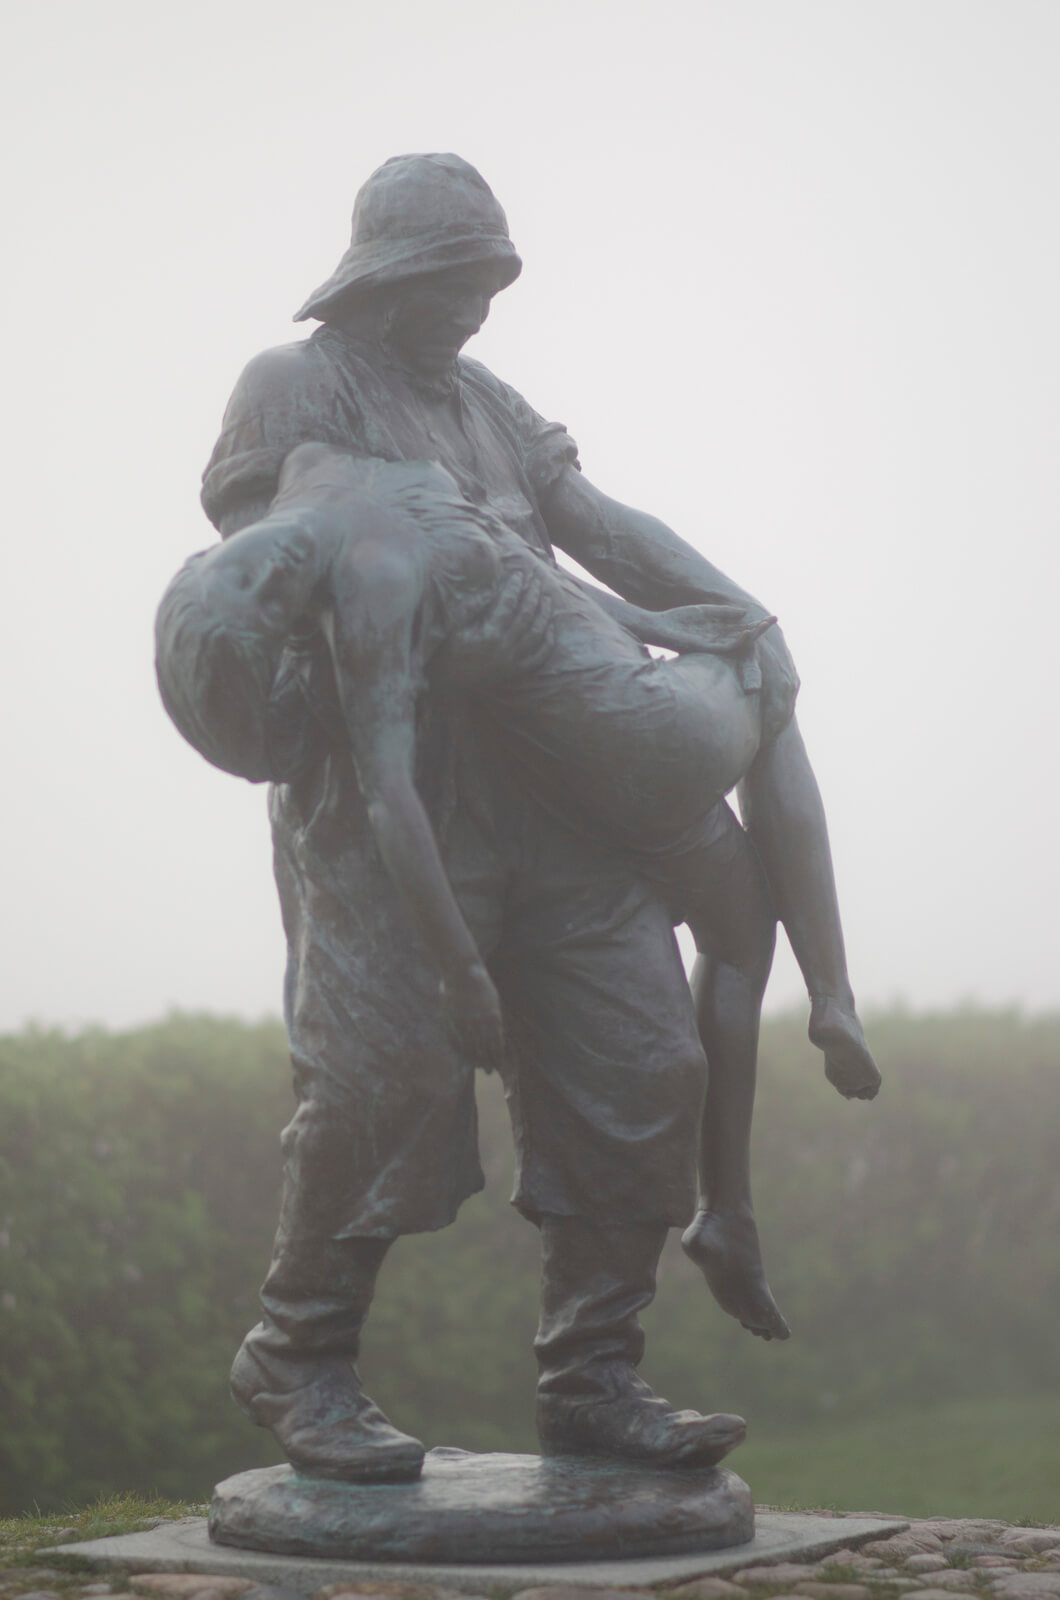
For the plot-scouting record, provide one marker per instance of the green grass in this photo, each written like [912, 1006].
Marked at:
[1000, 1458]
[21, 1537]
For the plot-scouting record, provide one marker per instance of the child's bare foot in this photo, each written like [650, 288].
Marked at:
[724, 1246]
[848, 1063]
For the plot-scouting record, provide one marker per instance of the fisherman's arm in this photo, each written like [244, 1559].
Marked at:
[643, 560]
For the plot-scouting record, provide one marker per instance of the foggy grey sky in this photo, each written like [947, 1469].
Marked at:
[790, 279]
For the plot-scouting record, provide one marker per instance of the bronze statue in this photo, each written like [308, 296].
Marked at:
[490, 804]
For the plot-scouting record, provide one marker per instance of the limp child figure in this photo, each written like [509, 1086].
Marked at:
[424, 586]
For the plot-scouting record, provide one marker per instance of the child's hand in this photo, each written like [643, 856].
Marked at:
[472, 1010]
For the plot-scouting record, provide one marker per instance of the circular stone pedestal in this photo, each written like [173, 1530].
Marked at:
[488, 1508]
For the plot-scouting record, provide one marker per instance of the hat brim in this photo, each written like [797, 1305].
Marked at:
[364, 269]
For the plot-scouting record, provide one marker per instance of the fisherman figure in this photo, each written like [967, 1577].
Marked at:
[604, 1070]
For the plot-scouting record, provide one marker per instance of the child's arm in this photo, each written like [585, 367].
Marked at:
[376, 593]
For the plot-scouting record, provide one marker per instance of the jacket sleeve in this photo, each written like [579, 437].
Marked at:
[285, 397]
[544, 448]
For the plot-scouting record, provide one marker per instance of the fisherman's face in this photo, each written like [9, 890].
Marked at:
[431, 319]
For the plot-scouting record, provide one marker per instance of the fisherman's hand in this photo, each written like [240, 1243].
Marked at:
[780, 681]
[472, 1011]
[720, 629]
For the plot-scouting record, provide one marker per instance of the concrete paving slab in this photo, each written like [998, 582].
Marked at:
[185, 1547]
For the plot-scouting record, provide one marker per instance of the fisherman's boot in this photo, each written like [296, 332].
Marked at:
[590, 1400]
[295, 1371]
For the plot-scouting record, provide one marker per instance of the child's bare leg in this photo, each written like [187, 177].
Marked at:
[783, 812]
[732, 919]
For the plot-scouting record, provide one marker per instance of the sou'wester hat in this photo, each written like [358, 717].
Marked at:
[416, 215]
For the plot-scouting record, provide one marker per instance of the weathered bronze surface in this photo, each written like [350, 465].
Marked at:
[490, 804]
[498, 1508]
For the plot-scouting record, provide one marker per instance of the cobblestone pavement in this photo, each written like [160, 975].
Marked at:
[935, 1559]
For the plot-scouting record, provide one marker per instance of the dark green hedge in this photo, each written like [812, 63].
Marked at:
[137, 1185]
[912, 1244]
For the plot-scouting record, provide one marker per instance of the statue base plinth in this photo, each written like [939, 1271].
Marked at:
[488, 1508]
